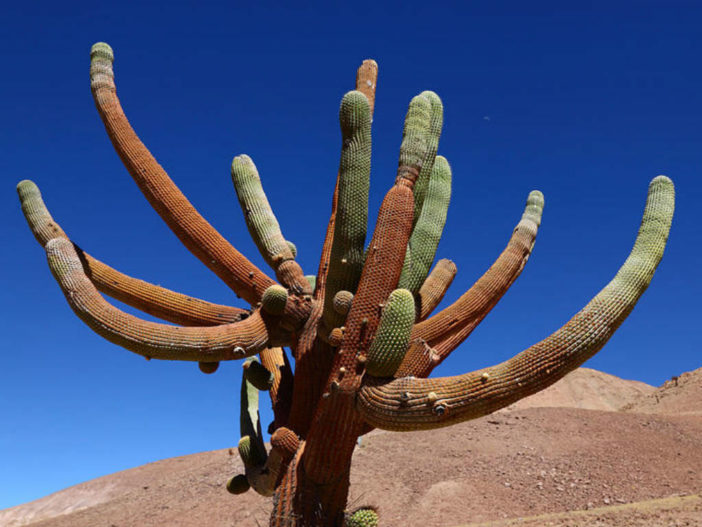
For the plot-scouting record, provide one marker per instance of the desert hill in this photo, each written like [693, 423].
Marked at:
[521, 463]
[681, 395]
[587, 389]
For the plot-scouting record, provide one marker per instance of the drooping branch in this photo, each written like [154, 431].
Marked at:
[192, 229]
[410, 403]
[152, 299]
[263, 225]
[434, 287]
[275, 360]
[461, 317]
[151, 339]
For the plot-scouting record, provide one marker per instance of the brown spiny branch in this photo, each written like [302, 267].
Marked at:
[152, 299]
[410, 403]
[192, 229]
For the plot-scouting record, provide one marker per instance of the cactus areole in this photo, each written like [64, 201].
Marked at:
[361, 330]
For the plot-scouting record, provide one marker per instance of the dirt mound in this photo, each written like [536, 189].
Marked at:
[154, 494]
[680, 395]
[517, 464]
[589, 390]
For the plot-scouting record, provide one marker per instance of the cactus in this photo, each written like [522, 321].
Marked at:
[390, 343]
[274, 300]
[363, 517]
[363, 340]
[342, 302]
[238, 484]
[258, 375]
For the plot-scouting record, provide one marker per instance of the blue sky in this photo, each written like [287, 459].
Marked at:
[586, 103]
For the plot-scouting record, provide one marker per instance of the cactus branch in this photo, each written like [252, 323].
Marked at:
[476, 303]
[436, 122]
[346, 258]
[192, 229]
[367, 80]
[366, 83]
[411, 404]
[429, 227]
[152, 299]
[391, 340]
[434, 287]
[150, 339]
[263, 225]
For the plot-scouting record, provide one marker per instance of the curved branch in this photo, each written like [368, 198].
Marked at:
[150, 339]
[263, 225]
[152, 299]
[477, 302]
[276, 361]
[165, 197]
[410, 403]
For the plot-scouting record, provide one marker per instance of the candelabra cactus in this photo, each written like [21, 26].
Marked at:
[360, 330]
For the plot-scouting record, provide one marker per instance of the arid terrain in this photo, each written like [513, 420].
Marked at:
[591, 451]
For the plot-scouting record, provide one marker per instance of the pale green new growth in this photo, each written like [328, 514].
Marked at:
[260, 220]
[535, 207]
[392, 337]
[346, 259]
[40, 221]
[101, 59]
[362, 518]
[429, 228]
[274, 299]
[436, 122]
[636, 273]
[102, 50]
[415, 144]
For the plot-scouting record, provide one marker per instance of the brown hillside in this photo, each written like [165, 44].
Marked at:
[681, 395]
[589, 390]
[522, 463]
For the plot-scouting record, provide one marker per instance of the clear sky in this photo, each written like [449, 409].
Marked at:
[586, 103]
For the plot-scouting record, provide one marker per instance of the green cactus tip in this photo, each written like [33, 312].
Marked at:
[102, 50]
[392, 337]
[274, 299]
[362, 517]
[238, 484]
